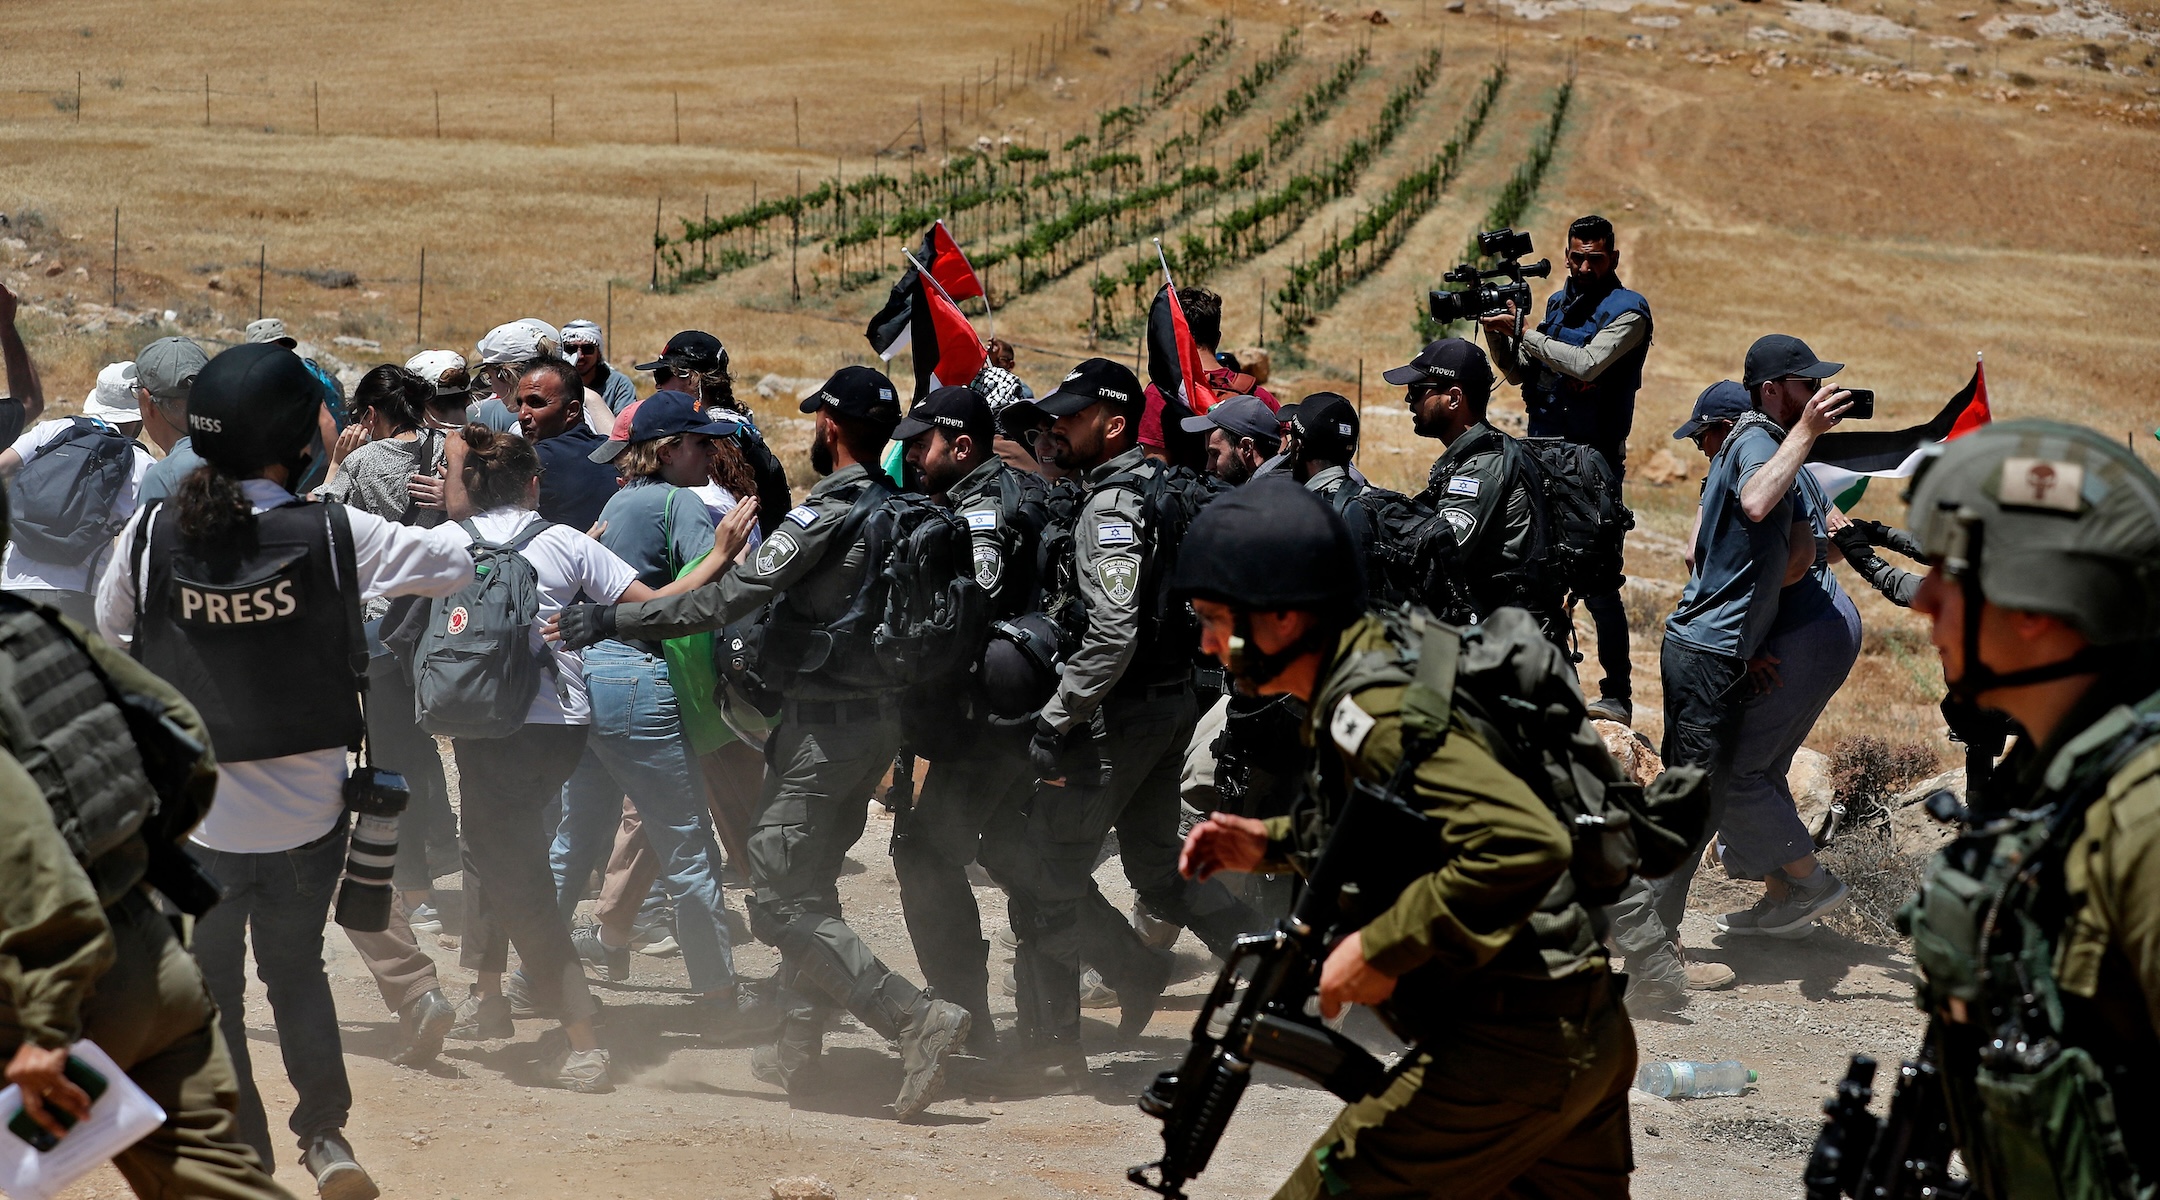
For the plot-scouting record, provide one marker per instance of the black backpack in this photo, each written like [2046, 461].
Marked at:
[1585, 522]
[1411, 554]
[1169, 633]
[62, 502]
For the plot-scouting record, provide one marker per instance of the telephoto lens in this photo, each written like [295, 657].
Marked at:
[377, 798]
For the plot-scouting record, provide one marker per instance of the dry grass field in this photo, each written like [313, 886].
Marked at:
[1903, 183]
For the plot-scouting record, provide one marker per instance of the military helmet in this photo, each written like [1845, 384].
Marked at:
[2055, 518]
[1271, 546]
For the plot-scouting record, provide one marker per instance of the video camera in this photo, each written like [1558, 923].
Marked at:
[1480, 295]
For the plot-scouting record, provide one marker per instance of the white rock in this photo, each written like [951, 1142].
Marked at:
[1809, 780]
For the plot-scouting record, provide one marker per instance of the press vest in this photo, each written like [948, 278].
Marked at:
[255, 636]
[1599, 412]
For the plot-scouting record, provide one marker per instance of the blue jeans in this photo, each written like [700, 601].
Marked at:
[637, 747]
[1760, 829]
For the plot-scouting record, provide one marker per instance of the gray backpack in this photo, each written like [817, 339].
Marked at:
[474, 670]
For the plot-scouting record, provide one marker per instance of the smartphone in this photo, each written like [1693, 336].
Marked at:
[84, 1076]
[1862, 405]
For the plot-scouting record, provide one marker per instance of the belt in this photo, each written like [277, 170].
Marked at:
[1576, 996]
[834, 712]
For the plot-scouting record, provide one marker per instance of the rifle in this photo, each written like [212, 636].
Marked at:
[1262, 1001]
[1905, 1156]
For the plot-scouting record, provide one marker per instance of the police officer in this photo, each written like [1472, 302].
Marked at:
[1517, 1077]
[1579, 371]
[1479, 485]
[2038, 931]
[839, 729]
[90, 956]
[1108, 746]
[1320, 442]
[979, 770]
[248, 600]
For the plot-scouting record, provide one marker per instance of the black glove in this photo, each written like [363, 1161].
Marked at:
[1891, 538]
[1853, 541]
[1046, 752]
[582, 625]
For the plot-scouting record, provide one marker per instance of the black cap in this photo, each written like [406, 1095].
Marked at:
[1783, 356]
[1446, 363]
[1268, 546]
[1721, 401]
[253, 406]
[862, 393]
[956, 410]
[1094, 379]
[690, 350]
[1240, 417]
[1326, 425]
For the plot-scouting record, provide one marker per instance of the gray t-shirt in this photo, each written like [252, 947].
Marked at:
[495, 415]
[645, 518]
[375, 478]
[164, 476]
[1732, 598]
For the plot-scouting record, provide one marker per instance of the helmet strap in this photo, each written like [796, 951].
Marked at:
[1978, 677]
[1254, 668]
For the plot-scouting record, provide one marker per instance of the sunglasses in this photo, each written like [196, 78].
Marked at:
[1578, 259]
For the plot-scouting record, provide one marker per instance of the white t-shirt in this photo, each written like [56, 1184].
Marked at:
[273, 804]
[569, 565]
[720, 502]
[18, 570]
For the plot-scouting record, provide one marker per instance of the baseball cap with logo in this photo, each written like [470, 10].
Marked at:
[1326, 425]
[1783, 356]
[443, 369]
[663, 414]
[167, 367]
[1446, 363]
[956, 410]
[1094, 379]
[691, 350]
[113, 399]
[1240, 417]
[270, 329]
[861, 393]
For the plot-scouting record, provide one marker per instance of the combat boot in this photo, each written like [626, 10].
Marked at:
[1657, 984]
[794, 1062]
[934, 1030]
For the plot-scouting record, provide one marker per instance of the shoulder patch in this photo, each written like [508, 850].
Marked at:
[1350, 725]
[803, 515]
[1463, 522]
[982, 520]
[1114, 533]
[1119, 575]
[1463, 485]
[989, 565]
[775, 552]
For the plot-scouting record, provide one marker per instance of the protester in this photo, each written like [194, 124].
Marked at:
[696, 363]
[551, 415]
[165, 370]
[280, 700]
[73, 481]
[25, 401]
[1203, 317]
[581, 344]
[331, 420]
[1242, 433]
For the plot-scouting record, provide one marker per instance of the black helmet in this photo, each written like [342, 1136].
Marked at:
[253, 406]
[1271, 546]
[1020, 665]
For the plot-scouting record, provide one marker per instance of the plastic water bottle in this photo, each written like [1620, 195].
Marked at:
[1693, 1080]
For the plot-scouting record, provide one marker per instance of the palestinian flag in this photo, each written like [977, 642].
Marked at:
[1174, 364]
[890, 330]
[1843, 462]
[947, 352]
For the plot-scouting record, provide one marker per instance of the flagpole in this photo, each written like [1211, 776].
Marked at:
[1165, 261]
[925, 273]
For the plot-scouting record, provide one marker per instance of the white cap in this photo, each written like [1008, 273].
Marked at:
[512, 343]
[549, 338]
[113, 399]
[584, 333]
[445, 369]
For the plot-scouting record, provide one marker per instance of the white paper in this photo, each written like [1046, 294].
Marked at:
[118, 1119]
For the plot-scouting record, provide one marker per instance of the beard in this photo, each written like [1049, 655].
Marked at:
[1063, 454]
[821, 457]
[1235, 471]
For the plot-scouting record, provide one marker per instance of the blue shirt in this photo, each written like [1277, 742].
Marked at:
[1732, 598]
[164, 476]
[574, 488]
[1814, 596]
[657, 528]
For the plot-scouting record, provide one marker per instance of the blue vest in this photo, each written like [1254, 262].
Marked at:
[1599, 413]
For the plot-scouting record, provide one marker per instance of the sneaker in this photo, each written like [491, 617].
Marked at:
[1747, 923]
[584, 1071]
[1094, 993]
[425, 1023]
[1613, 708]
[655, 936]
[329, 1158]
[1156, 932]
[613, 961]
[424, 919]
[1796, 916]
[937, 1030]
[483, 1019]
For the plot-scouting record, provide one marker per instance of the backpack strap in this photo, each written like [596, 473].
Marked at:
[1428, 702]
[345, 560]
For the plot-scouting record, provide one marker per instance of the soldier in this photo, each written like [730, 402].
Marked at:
[1478, 484]
[838, 732]
[1109, 744]
[2038, 931]
[1516, 1081]
[981, 771]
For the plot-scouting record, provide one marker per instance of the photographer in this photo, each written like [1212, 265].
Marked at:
[1579, 370]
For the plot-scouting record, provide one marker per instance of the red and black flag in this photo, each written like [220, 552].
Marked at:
[890, 330]
[1175, 366]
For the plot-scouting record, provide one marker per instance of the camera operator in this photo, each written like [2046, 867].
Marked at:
[1579, 370]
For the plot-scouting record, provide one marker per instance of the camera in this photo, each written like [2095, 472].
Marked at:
[377, 798]
[1486, 292]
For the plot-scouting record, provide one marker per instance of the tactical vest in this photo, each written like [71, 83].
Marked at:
[258, 636]
[1599, 412]
[1168, 635]
[1013, 578]
[2033, 1113]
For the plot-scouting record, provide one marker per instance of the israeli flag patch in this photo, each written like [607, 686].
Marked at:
[802, 515]
[1114, 533]
[1463, 485]
[982, 520]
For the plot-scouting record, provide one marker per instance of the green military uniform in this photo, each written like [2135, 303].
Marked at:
[1487, 501]
[1522, 1057]
[85, 954]
[836, 737]
[988, 778]
[1127, 713]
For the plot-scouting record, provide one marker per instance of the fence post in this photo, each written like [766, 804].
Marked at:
[420, 304]
[656, 242]
[262, 262]
[205, 99]
[78, 97]
[115, 251]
